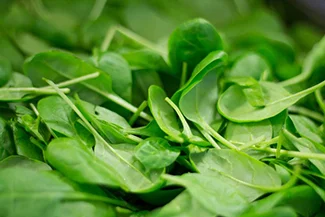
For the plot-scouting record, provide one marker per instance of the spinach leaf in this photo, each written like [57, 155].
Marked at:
[155, 153]
[306, 128]
[79, 163]
[59, 66]
[191, 42]
[164, 114]
[250, 65]
[234, 106]
[52, 194]
[238, 168]
[5, 71]
[119, 71]
[24, 162]
[248, 132]
[7, 147]
[184, 205]
[220, 198]
[23, 144]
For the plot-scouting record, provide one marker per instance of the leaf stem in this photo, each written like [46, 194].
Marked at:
[186, 128]
[97, 9]
[302, 155]
[108, 38]
[320, 100]
[184, 74]
[75, 80]
[33, 90]
[252, 143]
[207, 136]
[218, 137]
[118, 100]
[136, 114]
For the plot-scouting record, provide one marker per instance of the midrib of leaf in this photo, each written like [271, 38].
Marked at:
[118, 100]
[90, 127]
[299, 94]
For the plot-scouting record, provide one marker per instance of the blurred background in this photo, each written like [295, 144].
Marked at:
[282, 31]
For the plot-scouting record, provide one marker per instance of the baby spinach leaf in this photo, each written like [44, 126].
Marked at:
[136, 177]
[163, 113]
[59, 66]
[24, 162]
[248, 132]
[302, 199]
[308, 146]
[184, 205]
[5, 71]
[250, 65]
[46, 193]
[191, 42]
[23, 144]
[313, 61]
[7, 147]
[306, 128]
[234, 106]
[283, 211]
[217, 196]
[151, 129]
[238, 168]
[155, 153]
[119, 71]
[79, 163]
[57, 115]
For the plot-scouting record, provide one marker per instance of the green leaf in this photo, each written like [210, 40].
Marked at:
[5, 71]
[79, 163]
[23, 144]
[250, 65]
[164, 113]
[238, 168]
[7, 147]
[24, 162]
[119, 71]
[191, 42]
[136, 177]
[306, 128]
[216, 195]
[155, 153]
[184, 205]
[45, 193]
[234, 106]
[248, 132]
[302, 199]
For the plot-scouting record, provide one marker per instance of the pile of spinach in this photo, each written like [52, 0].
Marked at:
[139, 109]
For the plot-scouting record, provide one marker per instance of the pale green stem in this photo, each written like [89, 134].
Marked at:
[186, 128]
[302, 155]
[184, 74]
[218, 137]
[135, 116]
[250, 144]
[208, 137]
[34, 109]
[320, 100]
[97, 9]
[269, 142]
[108, 38]
[75, 80]
[118, 100]
[134, 138]
[33, 90]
